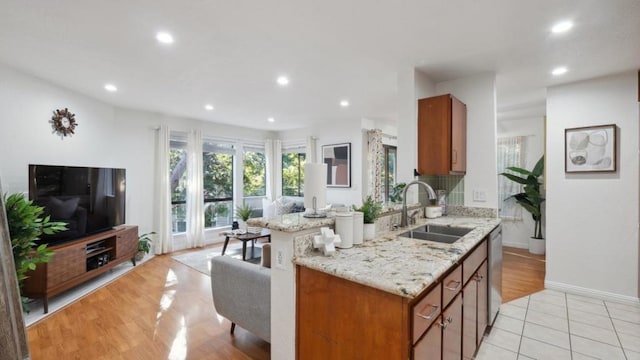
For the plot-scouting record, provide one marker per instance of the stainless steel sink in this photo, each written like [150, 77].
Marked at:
[437, 233]
[445, 230]
[421, 235]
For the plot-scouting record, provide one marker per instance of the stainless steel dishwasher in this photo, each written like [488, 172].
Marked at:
[495, 273]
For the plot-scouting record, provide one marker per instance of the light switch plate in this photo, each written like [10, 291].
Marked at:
[479, 195]
[280, 259]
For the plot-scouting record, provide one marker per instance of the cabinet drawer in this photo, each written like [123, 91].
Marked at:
[451, 286]
[430, 346]
[425, 312]
[473, 261]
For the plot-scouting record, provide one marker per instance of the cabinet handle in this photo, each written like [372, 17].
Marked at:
[479, 278]
[448, 286]
[449, 319]
[431, 314]
[443, 325]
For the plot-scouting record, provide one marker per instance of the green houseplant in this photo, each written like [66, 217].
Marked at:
[371, 209]
[144, 245]
[26, 224]
[531, 198]
[244, 212]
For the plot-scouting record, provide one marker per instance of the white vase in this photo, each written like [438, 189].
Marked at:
[537, 246]
[369, 232]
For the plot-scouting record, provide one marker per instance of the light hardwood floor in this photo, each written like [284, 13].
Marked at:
[164, 310]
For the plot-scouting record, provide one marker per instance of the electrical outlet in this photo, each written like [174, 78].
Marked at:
[479, 195]
[280, 259]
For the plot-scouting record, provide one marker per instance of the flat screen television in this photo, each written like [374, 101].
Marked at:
[88, 199]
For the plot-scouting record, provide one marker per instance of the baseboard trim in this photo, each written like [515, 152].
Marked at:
[598, 294]
[515, 244]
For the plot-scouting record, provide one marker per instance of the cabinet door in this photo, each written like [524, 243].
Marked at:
[434, 135]
[458, 136]
[483, 301]
[66, 263]
[430, 346]
[452, 330]
[469, 324]
[127, 242]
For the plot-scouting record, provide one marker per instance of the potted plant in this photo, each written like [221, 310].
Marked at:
[371, 210]
[26, 223]
[144, 245]
[531, 200]
[244, 212]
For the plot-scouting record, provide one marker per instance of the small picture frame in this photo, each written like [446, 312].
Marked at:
[590, 149]
[338, 160]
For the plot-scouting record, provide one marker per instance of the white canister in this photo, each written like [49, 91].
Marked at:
[358, 227]
[344, 228]
[434, 211]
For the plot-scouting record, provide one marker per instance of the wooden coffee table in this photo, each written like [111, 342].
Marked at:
[264, 233]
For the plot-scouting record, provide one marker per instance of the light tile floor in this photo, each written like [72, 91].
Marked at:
[555, 325]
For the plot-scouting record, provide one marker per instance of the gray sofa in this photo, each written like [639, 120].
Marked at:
[242, 294]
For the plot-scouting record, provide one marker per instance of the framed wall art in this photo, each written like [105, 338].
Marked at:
[590, 149]
[338, 160]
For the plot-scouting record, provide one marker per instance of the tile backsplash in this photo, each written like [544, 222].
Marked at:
[452, 184]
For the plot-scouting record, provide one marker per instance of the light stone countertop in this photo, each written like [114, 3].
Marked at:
[400, 265]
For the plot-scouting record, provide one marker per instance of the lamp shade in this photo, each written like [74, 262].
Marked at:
[315, 185]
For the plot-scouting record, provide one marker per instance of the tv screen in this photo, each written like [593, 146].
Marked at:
[88, 199]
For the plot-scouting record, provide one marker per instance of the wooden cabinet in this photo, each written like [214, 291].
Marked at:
[475, 302]
[79, 260]
[340, 319]
[442, 136]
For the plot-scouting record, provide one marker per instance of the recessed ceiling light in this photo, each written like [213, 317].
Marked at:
[344, 103]
[209, 107]
[561, 27]
[271, 119]
[559, 70]
[282, 80]
[164, 38]
[110, 88]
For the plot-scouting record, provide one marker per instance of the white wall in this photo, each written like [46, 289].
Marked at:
[479, 94]
[412, 85]
[106, 136]
[592, 219]
[517, 233]
[345, 131]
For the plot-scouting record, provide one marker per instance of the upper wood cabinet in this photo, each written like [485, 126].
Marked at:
[442, 136]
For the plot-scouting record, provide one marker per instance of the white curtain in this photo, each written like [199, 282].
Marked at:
[277, 169]
[375, 164]
[195, 196]
[511, 152]
[311, 150]
[164, 243]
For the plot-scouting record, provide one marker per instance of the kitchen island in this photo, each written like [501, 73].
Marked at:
[388, 270]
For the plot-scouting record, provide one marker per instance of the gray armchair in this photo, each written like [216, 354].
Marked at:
[242, 293]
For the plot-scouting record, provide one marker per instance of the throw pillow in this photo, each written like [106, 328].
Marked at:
[63, 209]
[268, 208]
[266, 256]
[282, 207]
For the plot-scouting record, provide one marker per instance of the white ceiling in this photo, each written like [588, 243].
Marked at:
[229, 53]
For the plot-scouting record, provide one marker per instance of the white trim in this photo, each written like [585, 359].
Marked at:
[598, 294]
[516, 244]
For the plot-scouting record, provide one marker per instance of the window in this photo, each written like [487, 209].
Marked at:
[511, 152]
[217, 162]
[178, 183]
[254, 177]
[293, 173]
[389, 175]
